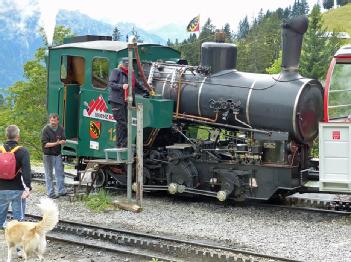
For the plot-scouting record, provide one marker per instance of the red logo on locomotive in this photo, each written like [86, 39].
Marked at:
[95, 129]
[97, 109]
[336, 135]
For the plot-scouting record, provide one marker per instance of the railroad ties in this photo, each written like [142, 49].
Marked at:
[147, 246]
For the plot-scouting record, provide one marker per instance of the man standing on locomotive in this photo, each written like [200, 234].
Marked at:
[118, 94]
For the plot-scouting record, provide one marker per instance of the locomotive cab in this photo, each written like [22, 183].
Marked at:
[337, 93]
[77, 90]
[335, 131]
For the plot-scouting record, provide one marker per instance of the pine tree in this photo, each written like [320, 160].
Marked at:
[228, 33]
[300, 7]
[327, 4]
[135, 33]
[207, 31]
[304, 8]
[275, 68]
[169, 42]
[116, 34]
[317, 47]
[287, 13]
[261, 45]
[342, 2]
[295, 9]
[244, 28]
[2, 100]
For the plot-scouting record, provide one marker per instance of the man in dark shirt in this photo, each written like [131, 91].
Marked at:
[118, 86]
[53, 136]
[15, 191]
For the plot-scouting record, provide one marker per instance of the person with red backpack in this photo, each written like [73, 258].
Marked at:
[15, 176]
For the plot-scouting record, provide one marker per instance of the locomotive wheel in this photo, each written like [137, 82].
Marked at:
[100, 178]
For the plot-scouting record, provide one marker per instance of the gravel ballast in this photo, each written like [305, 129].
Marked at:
[300, 235]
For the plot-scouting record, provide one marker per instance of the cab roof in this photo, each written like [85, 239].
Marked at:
[100, 45]
[343, 51]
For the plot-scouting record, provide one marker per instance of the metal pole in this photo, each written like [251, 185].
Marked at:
[130, 103]
[139, 148]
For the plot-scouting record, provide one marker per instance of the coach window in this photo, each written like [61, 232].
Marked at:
[100, 72]
[72, 70]
[340, 91]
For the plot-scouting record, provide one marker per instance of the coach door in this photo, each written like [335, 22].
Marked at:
[72, 77]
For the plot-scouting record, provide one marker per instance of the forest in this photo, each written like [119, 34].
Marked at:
[258, 43]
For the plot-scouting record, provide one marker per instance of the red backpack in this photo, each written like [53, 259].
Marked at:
[8, 163]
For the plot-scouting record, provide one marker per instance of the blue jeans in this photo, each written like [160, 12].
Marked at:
[18, 205]
[51, 163]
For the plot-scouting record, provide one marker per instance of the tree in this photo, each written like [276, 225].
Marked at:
[304, 8]
[2, 100]
[227, 33]
[190, 48]
[287, 13]
[169, 42]
[317, 48]
[275, 68]
[136, 34]
[207, 31]
[327, 4]
[342, 2]
[60, 34]
[116, 34]
[244, 28]
[300, 7]
[261, 45]
[26, 106]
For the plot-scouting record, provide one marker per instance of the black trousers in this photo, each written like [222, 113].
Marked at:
[119, 112]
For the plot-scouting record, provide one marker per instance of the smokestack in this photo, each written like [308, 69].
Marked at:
[292, 36]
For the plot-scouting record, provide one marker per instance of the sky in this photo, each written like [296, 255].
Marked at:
[152, 14]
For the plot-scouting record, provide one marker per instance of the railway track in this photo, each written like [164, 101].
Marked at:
[148, 247]
[340, 207]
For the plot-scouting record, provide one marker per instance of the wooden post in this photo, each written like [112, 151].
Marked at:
[139, 148]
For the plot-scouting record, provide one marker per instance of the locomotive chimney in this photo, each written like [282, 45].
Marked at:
[292, 36]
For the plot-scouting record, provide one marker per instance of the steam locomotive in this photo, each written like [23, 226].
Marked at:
[211, 130]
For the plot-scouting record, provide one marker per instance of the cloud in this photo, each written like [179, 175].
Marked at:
[22, 10]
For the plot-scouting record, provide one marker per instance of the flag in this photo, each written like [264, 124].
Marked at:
[194, 25]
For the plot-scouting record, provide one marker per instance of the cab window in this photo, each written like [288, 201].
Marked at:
[72, 70]
[340, 92]
[99, 74]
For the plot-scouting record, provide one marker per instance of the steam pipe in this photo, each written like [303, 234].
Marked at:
[141, 70]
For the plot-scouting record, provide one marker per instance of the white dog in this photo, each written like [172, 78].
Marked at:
[31, 236]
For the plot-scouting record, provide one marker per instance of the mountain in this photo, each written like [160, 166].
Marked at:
[19, 41]
[19, 37]
[84, 25]
[172, 32]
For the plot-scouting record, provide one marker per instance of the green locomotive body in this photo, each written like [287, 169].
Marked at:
[210, 130]
[77, 90]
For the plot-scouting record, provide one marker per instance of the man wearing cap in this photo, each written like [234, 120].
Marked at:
[118, 86]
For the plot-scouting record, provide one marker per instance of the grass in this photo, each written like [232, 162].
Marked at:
[99, 202]
[338, 19]
[37, 187]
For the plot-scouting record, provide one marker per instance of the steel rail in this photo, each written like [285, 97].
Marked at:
[149, 245]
